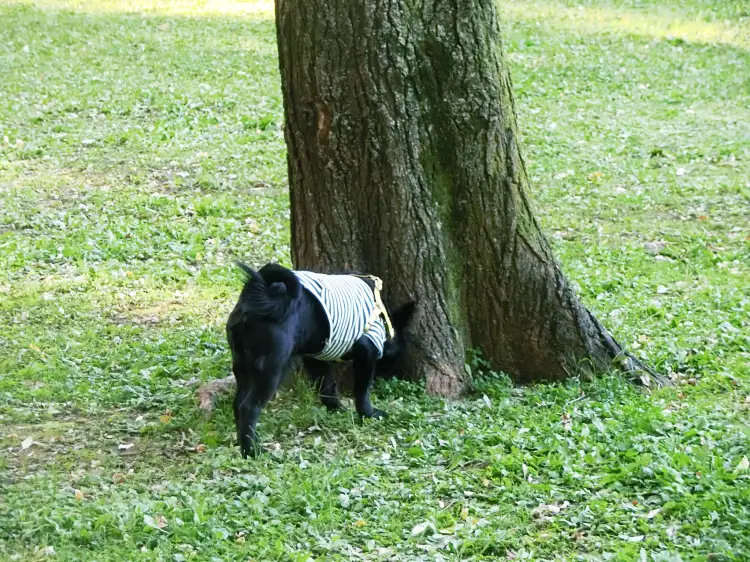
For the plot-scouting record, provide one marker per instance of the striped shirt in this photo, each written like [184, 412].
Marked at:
[348, 302]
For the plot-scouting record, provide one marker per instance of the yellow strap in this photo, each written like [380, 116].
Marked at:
[379, 309]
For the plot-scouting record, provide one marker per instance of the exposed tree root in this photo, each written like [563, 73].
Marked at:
[638, 371]
[645, 375]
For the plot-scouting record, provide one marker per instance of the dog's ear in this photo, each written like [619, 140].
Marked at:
[402, 315]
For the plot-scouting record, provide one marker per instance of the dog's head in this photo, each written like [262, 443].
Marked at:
[396, 347]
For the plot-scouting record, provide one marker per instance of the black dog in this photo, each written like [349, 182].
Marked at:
[280, 315]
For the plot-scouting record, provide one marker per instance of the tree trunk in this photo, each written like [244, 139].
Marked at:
[404, 162]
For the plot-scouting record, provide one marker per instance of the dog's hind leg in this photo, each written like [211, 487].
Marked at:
[365, 357]
[322, 376]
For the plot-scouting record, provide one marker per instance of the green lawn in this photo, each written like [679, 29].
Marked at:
[141, 149]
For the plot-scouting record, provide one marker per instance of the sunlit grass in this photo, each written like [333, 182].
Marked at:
[204, 8]
[145, 151]
[657, 22]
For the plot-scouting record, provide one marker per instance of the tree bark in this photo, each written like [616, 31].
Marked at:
[404, 162]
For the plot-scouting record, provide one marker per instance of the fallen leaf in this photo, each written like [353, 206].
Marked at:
[252, 226]
[743, 465]
[653, 247]
[158, 522]
[79, 495]
[546, 509]
[27, 443]
[423, 529]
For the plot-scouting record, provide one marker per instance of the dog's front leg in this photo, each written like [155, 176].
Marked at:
[248, 404]
[365, 357]
[246, 414]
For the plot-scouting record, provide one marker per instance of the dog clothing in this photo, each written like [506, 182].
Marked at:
[349, 304]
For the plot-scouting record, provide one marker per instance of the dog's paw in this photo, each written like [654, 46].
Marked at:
[333, 405]
[249, 452]
[336, 410]
[376, 414]
[379, 414]
[249, 448]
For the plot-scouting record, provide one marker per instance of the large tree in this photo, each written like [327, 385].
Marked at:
[404, 161]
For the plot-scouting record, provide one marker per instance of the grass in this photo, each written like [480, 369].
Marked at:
[141, 148]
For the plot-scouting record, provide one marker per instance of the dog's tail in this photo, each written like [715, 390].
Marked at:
[270, 292]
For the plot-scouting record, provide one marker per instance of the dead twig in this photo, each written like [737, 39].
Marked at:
[208, 392]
